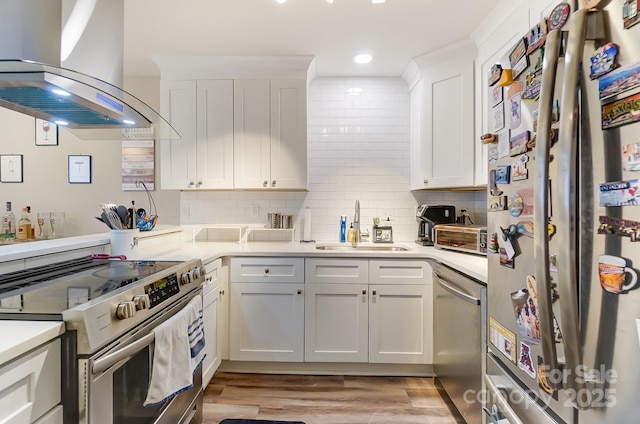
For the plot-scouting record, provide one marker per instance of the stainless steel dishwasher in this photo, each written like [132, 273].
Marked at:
[459, 339]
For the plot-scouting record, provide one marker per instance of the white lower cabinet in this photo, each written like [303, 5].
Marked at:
[336, 323]
[213, 295]
[30, 387]
[400, 324]
[266, 321]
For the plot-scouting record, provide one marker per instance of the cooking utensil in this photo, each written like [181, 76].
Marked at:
[109, 210]
[107, 256]
[123, 213]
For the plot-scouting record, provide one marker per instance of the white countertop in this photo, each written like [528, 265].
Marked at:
[19, 337]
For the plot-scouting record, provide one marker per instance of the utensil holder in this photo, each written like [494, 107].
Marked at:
[124, 242]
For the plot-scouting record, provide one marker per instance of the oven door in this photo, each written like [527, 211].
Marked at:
[116, 381]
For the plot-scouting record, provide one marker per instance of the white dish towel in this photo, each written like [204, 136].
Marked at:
[179, 350]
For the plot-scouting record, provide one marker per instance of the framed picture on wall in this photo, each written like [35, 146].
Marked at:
[79, 169]
[11, 169]
[46, 133]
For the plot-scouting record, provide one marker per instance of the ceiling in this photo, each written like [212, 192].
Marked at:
[393, 32]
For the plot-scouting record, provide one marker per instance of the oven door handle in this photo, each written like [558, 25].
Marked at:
[113, 358]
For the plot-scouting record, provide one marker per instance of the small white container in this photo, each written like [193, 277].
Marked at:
[124, 242]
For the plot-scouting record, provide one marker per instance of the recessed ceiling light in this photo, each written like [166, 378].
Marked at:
[61, 92]
[60, 122]
[330, 1]
[128, 121]
[280, 1]
[362, 58]
[377, 1]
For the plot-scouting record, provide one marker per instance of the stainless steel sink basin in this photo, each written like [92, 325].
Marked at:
[362, 248]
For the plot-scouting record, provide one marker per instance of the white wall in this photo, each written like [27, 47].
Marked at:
[45, 187]
[358, 149]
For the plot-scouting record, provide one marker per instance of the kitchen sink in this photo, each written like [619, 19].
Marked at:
[362, 248]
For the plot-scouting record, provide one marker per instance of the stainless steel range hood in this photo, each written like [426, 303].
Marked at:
[33, 82]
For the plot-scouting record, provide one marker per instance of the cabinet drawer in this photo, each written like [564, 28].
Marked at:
[258, 270]
[354, 271]
[400, 271]
[30, 385]
[214, 276]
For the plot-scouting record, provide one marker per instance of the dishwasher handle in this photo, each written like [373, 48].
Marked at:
[454, 291]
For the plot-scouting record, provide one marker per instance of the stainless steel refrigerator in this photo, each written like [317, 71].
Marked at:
[564, 220]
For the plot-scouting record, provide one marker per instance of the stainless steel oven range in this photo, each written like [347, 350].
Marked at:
[110, 309]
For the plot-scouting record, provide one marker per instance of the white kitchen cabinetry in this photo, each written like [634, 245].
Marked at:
[442, 132]
[266, 309]
[213, 295]
[202, 113]
[30, 386]
[270, 134]
[336, 310]
[400, 312]
[376, 311]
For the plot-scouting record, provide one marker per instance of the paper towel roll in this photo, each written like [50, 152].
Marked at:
[306, 229]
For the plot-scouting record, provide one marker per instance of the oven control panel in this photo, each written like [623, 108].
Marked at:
[162, 289]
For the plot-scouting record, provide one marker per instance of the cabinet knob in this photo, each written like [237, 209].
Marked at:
[264, 183]
[273, 183]
[266, 270]
[221, 292]
[373, 292]
[425, 181]
[364, 291]
[299, 291]
[199, 184]
[191, 183]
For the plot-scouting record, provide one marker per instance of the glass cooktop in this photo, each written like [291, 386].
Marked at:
[51, 289]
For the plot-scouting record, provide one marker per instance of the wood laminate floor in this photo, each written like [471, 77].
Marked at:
[328, 399]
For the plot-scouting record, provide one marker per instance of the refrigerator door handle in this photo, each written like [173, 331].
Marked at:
[503, 405]
[566, 184]
[541, 199]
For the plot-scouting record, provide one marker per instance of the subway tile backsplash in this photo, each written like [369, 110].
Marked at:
[358, 148]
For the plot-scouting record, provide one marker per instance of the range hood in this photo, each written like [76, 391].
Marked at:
[32, 81]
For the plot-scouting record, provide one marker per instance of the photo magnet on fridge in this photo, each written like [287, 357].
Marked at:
[525, 362]
[630, 15]
[519, 142]
[537, 36]
[504, 259]
[497, 203]
[526, 312]
[620, 193]
[502, 174]
[631, 157]
[619, 80]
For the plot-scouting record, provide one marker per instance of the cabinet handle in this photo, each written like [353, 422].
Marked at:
[264, 183]
[425, 181]
[364, 291]
[373, 292]
[299, 291]
[221, 292]
[199, 184]
[266, 270]
[273, 183]
[191, 183]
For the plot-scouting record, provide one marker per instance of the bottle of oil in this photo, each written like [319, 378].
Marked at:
[24, 226]
[8, 234]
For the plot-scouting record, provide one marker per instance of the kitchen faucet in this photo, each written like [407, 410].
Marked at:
[356, 225]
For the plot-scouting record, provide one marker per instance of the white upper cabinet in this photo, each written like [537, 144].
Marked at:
[202, 113]
[270, 130]
[442, 132]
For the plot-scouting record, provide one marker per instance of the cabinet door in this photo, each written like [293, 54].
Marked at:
[211, 300]
[30, 385]
[252, 135]
[400, 324]
[288, 134]
[336, 323]
[178, 157]
[448, 124]
[215, 135]
[266, 322]
[267, 270]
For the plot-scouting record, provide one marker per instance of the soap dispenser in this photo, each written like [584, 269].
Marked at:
[343, 228]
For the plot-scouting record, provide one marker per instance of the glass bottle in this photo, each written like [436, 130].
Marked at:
[24, 226]
[8, 225]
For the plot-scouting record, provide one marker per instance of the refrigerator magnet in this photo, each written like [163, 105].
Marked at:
[518, 143]
[603, 60]
[518, 52]
[498, 117]
[502, 174]
[497, 95]
[494, 74]
[493, 243]
[526, 313]
[515, 107]
[621, 193]
[619, 227]
[516, 205]
[519, 169]
[631, 157]
[525, 363]
[558, 16]
[630, 15]
[537, 36]
[553, 262]
[543, 381]
[503, 339]
[621, 112]
[619, 80]
[525, 228]
[532, 85]
[493, 188]
[497, 203]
